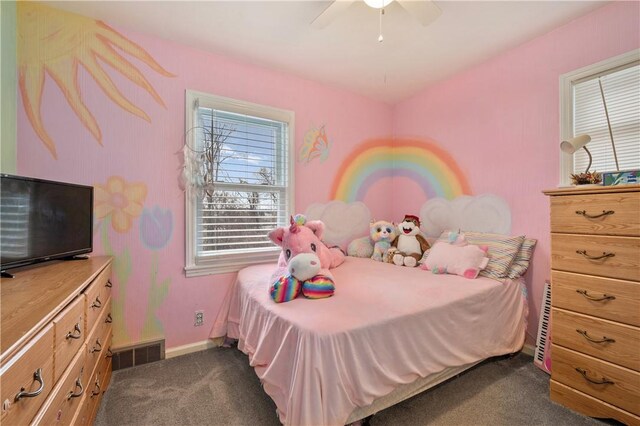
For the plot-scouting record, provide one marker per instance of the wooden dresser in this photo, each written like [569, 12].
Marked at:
[595, 299]
[55, 338]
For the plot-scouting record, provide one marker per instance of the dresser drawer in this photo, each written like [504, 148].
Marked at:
[66, 398]
[621, 386]
[98, 385]
[96, 297]
[100, 337]
[600, 338]
[607, 298]
[600, 214]
[588, 405]
[614, 257]
[69, 335]
[18, 375]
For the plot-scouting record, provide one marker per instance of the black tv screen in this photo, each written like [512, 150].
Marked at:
[43, 220]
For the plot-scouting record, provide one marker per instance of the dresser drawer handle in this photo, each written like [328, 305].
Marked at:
[603, 381]
[588, 216]
[109, 353]
[108, 319]
[76, 394]
[109, 284]
[75, 334]
[96, 303]
[604, 255]
[595, 299]
[604, 339]
[96, 390]
[98, 349]
[37, 376]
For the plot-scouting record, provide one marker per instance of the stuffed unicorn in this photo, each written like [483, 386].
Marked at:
[456, 256]
[304, 263]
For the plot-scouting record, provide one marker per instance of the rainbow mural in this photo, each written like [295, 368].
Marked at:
[423, 162]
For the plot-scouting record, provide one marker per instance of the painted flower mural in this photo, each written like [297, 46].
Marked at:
[120, 200]
[156, 227]
[117, 205]
[55, 42]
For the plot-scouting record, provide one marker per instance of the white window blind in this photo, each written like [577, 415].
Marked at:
[621, 87]
[248, 164]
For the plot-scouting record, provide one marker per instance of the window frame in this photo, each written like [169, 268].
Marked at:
[566, 102]
[231, 262]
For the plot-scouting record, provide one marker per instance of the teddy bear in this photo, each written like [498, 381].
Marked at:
[365, 246]
[409, 245]
[382, 233]
[304, 263]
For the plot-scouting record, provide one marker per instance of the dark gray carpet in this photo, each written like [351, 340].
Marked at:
[217, 387]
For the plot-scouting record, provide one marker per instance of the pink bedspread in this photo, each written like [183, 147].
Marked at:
[386, 325]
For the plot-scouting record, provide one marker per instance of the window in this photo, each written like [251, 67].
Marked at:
[583, 112]
[248, 172]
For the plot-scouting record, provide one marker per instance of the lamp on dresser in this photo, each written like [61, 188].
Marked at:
[570, 146]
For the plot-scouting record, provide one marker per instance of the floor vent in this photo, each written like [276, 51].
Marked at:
[541, 356]
[143, 353]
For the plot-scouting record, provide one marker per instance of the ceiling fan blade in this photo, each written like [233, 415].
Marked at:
[425, 11]
[330, 13]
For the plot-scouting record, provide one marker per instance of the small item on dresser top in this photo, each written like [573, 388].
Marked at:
[626, 177]
[303, 257]
[410, 244]
[457, 257]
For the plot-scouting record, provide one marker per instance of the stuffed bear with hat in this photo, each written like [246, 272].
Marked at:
[409, 246]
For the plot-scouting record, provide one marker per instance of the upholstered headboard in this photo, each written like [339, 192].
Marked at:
[482, 213]
[343, 222]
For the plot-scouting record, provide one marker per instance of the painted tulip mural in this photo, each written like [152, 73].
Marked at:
[156, 227]
[118, 204]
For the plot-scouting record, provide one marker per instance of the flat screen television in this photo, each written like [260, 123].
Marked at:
[43, 220]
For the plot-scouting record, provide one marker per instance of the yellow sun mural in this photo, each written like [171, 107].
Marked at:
[55, 42]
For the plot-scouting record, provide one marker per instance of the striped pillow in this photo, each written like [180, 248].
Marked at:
[521, 262]
[503, 250]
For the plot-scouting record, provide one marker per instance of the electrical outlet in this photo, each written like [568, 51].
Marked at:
[199, 319]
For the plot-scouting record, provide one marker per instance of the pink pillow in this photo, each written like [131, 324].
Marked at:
[459, 258]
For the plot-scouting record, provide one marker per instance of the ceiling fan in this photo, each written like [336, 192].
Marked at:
[424, 11]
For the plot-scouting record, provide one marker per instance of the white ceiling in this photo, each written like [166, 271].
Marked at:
[346, 54]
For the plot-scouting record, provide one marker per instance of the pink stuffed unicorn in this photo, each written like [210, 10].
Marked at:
[456, 256]
[304, 262]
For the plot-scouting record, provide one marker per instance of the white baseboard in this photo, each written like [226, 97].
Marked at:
[193, 347]
[528, 349]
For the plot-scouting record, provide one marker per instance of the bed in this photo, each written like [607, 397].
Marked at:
[388, 333]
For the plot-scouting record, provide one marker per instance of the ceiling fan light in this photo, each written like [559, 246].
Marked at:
[377, 4]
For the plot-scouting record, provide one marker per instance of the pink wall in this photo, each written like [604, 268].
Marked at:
[152, 297]
[506, 108]
[501, 122]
